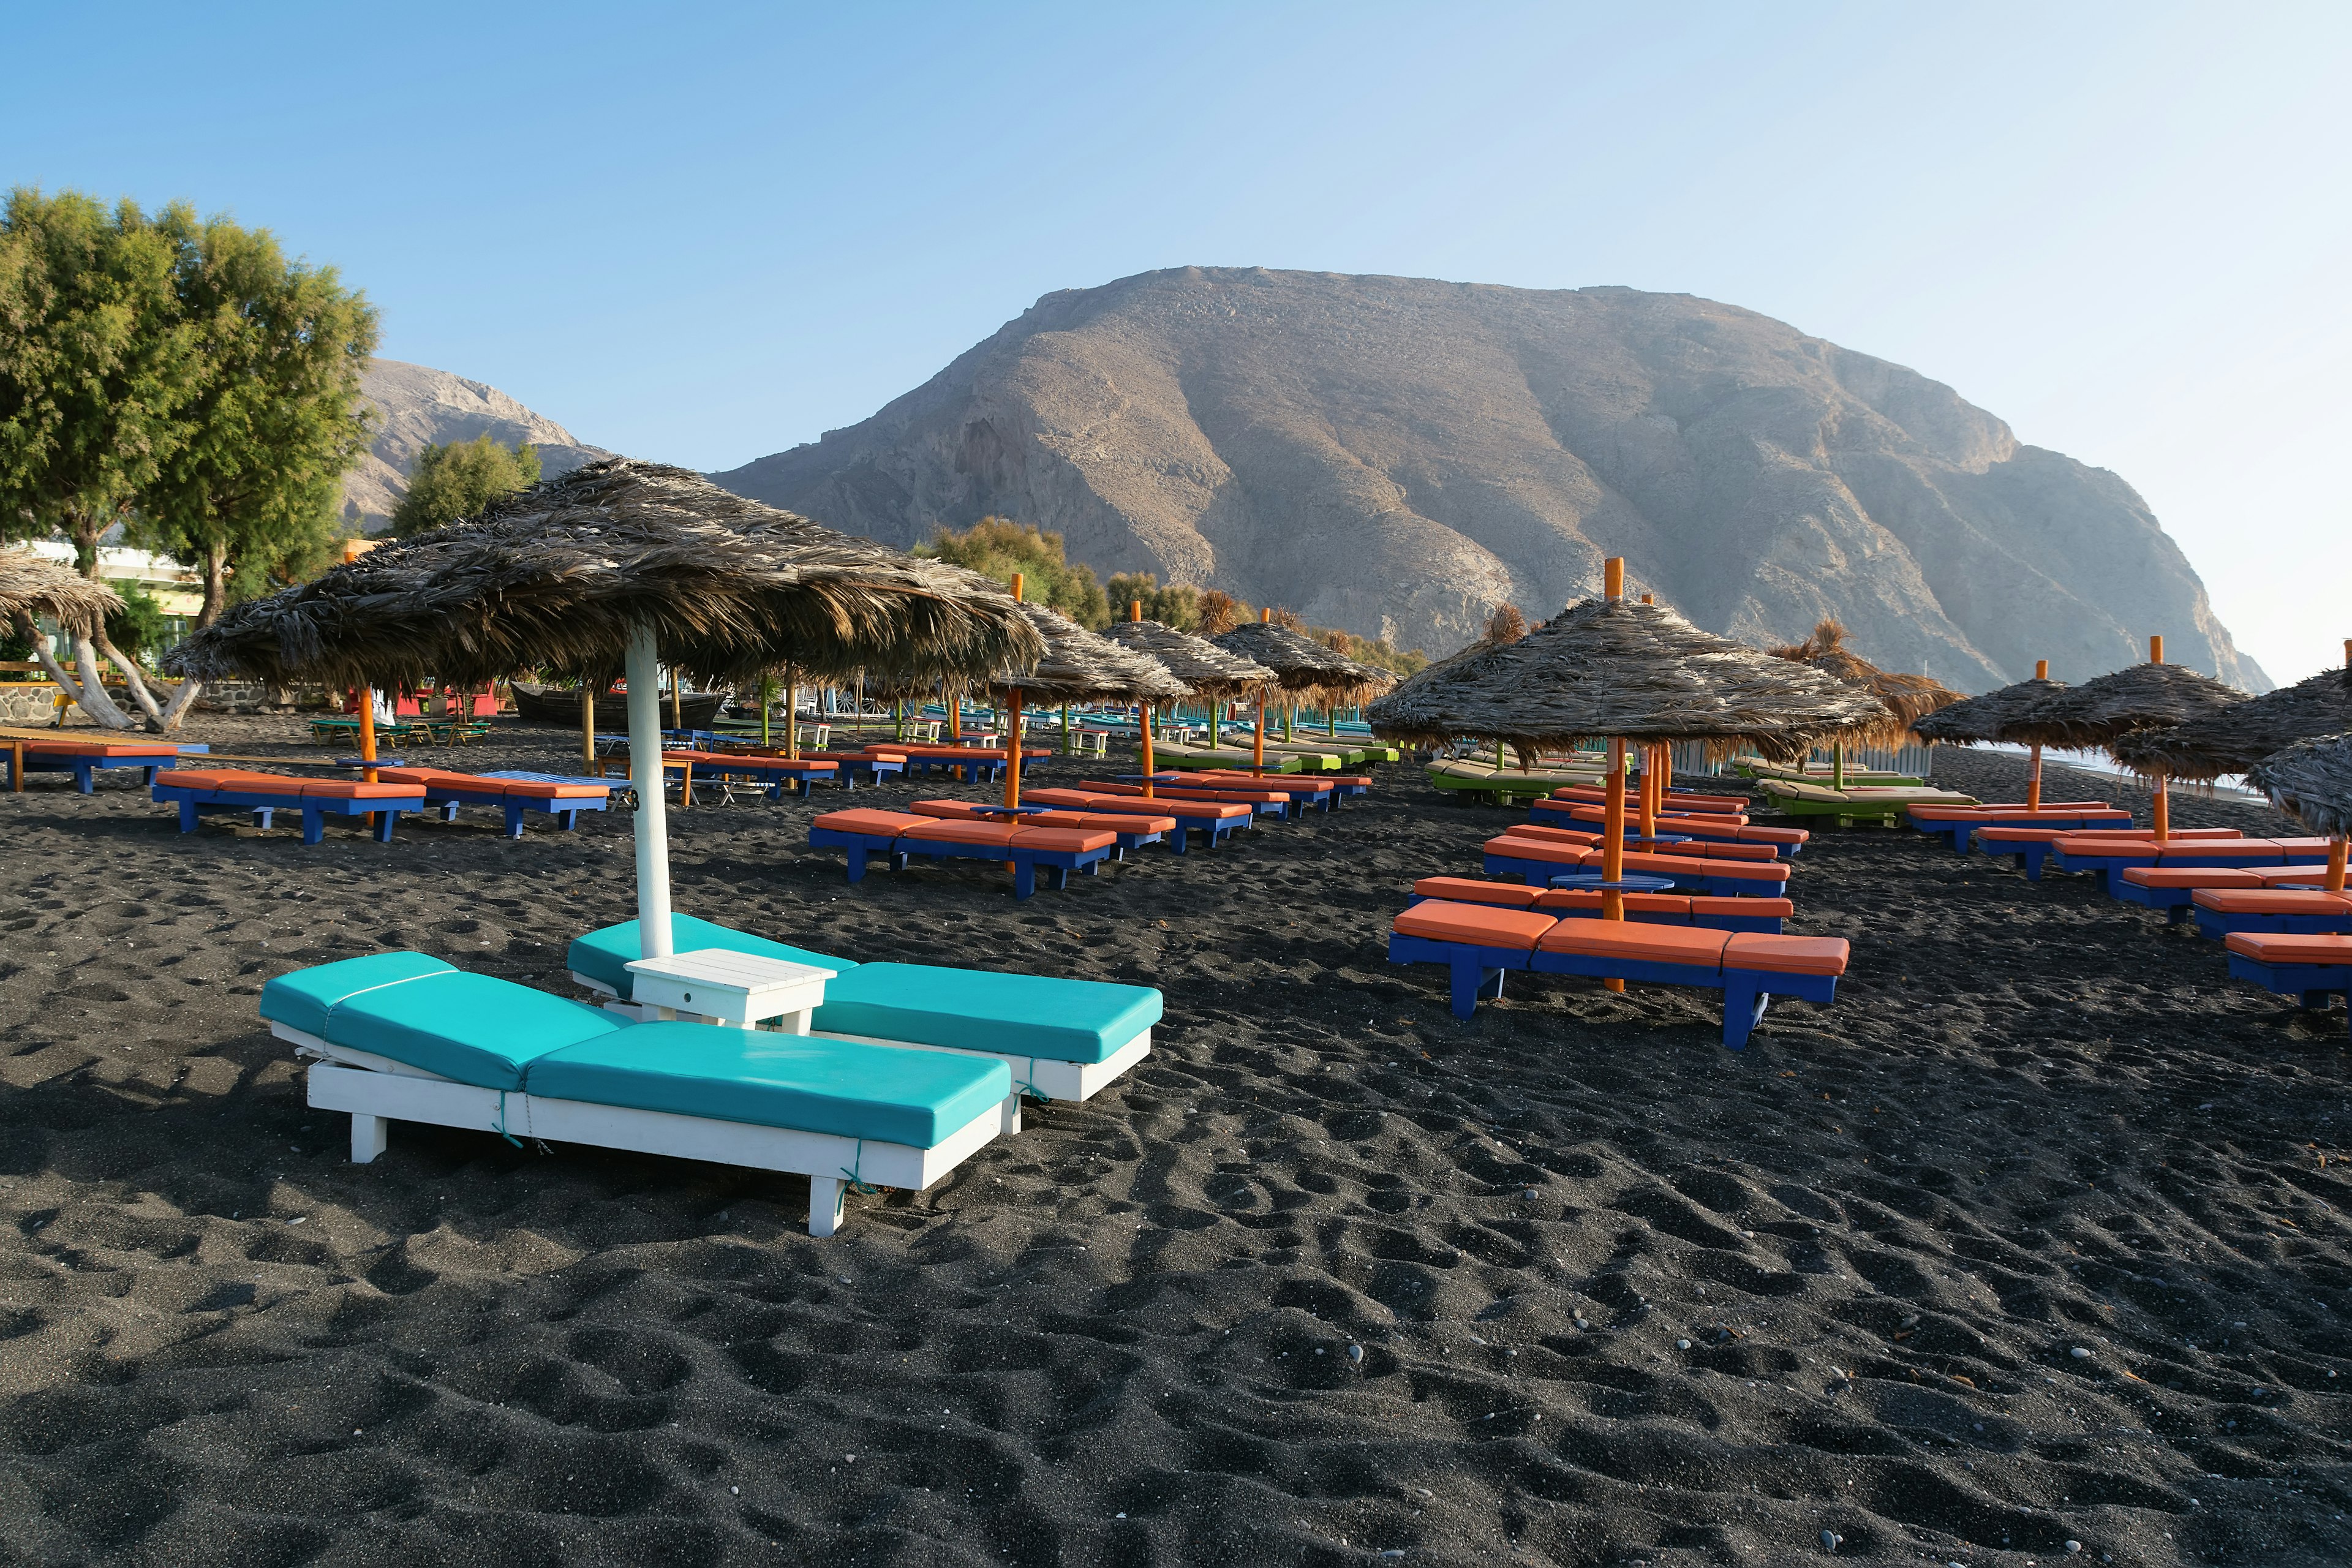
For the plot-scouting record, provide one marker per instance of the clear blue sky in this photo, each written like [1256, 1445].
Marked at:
[703, 233]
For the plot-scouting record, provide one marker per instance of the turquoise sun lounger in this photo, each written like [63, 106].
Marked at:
[1062, 1039]
[402, 1036]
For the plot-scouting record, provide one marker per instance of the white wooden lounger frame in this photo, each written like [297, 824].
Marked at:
[376, 1091]
[1049, 1078]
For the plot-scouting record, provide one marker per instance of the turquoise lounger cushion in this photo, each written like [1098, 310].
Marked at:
[604, 955]
[974, 1010]
[772, 1079]
[300, 1000]
[469, 1028]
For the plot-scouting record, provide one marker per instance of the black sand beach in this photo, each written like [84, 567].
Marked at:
[2036, 1237]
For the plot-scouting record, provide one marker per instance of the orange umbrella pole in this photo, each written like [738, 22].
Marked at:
[1257, 749]
[367, 732]
[1649, 794]
[1612, 814]
[587, 726]
[1143, 711]
[1012, 732]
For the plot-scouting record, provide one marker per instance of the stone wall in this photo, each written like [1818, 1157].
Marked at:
[27, 704]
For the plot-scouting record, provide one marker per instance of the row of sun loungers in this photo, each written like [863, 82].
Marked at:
[886, 1074]
[196, 791]
[2265, 899]
[1539, 854]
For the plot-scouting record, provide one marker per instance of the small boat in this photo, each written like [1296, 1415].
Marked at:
[561, 705]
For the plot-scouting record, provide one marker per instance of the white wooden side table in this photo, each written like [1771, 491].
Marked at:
[742, 989]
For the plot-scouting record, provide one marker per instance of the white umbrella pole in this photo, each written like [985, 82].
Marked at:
[646, 774]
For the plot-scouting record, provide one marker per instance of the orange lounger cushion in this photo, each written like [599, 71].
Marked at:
[2235, 852]
[1692, 866]
[1102, 822]
[1476, 925]
[358, 789]
[2191, 877]
[1693, 945]
[1547, 849]
[935, 830]
[192, 778]
[1786, 954]
[1464, 890]
[549, 789]
[1556, 835]
[875, 824]
[2272, 876]
[2272, 947]
[45, 747]
[2318, 846]
[1727, 851]
[2273, 901]
[1070, 840]
[1580, 900]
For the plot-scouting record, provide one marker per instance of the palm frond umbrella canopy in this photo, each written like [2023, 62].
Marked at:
[1908, 699]
[620, 567]
[1299, 664]
[2239, 736]
[2100, 712]
[1610, 669]
[33, 587]
[1986, 716]
[2312, 782]
[1078, 666]
[1205, 668]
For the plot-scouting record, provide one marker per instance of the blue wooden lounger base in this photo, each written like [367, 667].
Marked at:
[2029, 857]
[314, 812]
[2176, 902]
[2220, 925]
[566, 813]
[84, 769]
[2311, 983]
[1057, 864]
[1477, 975]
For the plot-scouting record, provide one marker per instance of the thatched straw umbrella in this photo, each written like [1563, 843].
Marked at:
[2236, 738]
[1201, 668]
[1986, 717]
[2151, 696]
[2312, 781]
[1908, 699]
[1299, 664]
[1078, 666]
[1610, 668]
[32, 586]
[620, 567]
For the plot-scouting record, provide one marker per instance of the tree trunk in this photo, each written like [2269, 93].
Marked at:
[88, 693]
[215, 585]
[131, 679]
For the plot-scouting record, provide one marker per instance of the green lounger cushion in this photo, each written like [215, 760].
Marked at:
[470, 1028]
[973, 1010]
[772, 1079]
[604, 956]
[300, 1000]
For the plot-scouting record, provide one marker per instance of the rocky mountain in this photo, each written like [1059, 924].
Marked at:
[417, 405]
[1399, 456]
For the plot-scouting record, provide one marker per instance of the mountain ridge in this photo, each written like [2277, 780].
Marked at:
[1398, 456]
[415, 404]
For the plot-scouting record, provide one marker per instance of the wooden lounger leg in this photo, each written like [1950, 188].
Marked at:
[856, 862]
[825, 1205]
[188, 813]
[1472, 983]
[314, 824]
[2315, 1001]
[383, 823]
[1743, 1009]
[1024, 878]
[514, 820]
[368, 1136]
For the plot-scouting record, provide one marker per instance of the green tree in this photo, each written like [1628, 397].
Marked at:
[458, 480]
[138, 628]
[95, 364]
[1177, 606]
[247, 493]
[997, 547]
